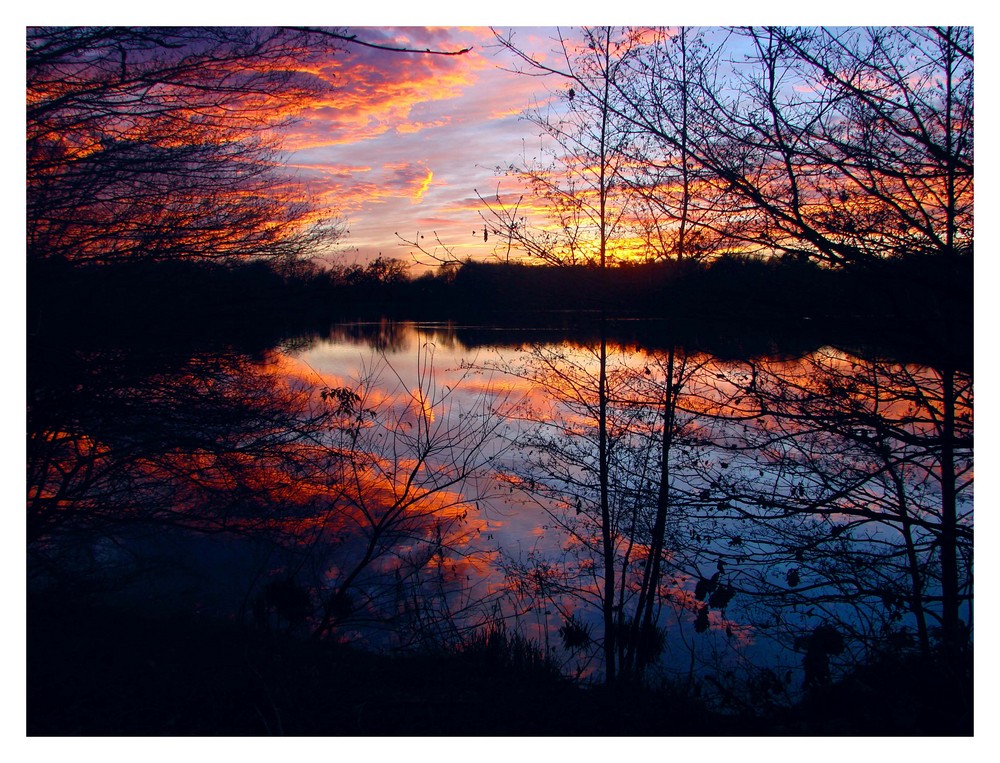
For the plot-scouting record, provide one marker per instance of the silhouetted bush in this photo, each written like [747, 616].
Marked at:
[496, 651]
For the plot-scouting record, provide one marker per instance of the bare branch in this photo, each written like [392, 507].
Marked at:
[353, 39]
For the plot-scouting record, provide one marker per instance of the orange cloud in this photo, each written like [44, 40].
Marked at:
[424, 185]
[375, 93]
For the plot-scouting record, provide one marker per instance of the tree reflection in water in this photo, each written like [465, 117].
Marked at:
[822, 505]
[837, 490]
[774, 521]
[316, 503]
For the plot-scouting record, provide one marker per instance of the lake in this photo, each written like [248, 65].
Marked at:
[752, 519]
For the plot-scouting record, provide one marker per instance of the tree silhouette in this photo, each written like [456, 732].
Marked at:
[408, 462]
[683, 213]
[578, 189]
[355, 500]
[162, 144]
[842, 145]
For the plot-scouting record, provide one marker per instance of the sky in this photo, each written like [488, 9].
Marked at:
[401, 147]
[405, 141]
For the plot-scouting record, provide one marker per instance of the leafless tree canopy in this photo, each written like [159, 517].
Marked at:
[837, 145]
[162, 143]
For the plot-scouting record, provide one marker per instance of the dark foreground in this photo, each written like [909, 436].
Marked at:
[108, 673]
[93, 671]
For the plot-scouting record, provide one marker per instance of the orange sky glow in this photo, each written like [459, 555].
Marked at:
[405, 141]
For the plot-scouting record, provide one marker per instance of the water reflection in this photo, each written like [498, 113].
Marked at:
[257, 486]
[817, 510]
[853, 479]
[749, 525]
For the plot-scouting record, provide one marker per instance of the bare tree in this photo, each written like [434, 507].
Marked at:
[585, 201]
[162, 143]
[601, 466]
[684, 213]
[208, 443]
[578, 189]
[843, 144]
[411, 466]
[359, 500]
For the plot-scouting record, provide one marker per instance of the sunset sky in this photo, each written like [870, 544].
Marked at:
[406, 140]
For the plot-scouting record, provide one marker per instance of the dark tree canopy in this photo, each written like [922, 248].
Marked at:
[161, 143]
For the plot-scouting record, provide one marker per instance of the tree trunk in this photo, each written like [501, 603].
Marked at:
[950, 598]
[607, 536]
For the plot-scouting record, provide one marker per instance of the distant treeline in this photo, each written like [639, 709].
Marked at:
[927, 300]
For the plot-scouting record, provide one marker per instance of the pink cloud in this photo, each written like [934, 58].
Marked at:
[405, 140]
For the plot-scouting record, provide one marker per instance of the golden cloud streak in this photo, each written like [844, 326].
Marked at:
[424, 185]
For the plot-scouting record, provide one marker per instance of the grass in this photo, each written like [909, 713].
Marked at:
[110, 673]
[107, 672]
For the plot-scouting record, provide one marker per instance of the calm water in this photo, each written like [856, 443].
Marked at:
[403, 485]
